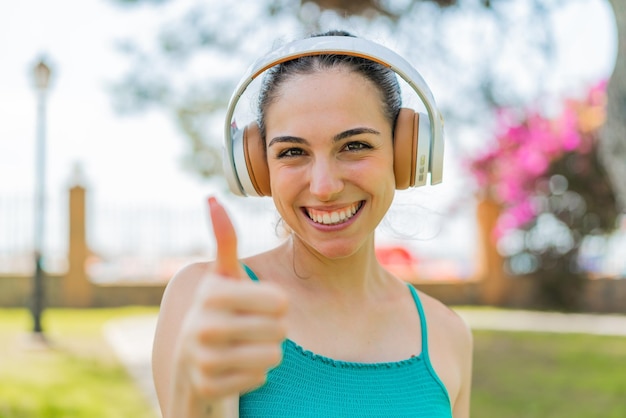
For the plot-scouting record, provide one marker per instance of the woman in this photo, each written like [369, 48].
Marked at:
[316, 326]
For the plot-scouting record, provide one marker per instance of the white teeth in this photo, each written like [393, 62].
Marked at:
[334, 217]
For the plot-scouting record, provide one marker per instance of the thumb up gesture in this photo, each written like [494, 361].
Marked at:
[232, 333]
[226, 263]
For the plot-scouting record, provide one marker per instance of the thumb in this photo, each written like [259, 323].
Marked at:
[226, 262]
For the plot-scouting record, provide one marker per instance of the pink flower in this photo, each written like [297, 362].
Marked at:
[526, 144]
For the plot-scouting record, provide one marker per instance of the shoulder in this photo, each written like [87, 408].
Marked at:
[442, 318]
[179, 295]
[186, 280]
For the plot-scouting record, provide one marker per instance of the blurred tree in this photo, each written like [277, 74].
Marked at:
[545, 174]
[489, 54]
[473, 47]
[613, 143]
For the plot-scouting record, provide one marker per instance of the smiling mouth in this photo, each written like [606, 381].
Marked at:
[334, 217]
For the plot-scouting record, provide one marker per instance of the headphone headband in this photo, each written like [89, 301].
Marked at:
[341, 45]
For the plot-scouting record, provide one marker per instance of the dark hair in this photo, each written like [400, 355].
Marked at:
[383, 78]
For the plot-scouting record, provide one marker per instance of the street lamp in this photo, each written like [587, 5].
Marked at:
[41, 75]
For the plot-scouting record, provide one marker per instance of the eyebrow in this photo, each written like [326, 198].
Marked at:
[340, 136]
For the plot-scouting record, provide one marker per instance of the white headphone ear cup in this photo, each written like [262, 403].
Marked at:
[436, 152]
[424, 139]
[229, 165]
[242, 168]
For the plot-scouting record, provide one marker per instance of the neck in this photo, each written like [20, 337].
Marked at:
[357, 274]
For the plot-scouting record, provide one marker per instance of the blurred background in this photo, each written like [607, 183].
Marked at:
[133, 106]
[111, 118]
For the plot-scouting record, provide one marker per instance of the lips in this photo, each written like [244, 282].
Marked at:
[335, 216]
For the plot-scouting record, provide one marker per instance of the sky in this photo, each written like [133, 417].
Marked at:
[121, 156]
[127, 160]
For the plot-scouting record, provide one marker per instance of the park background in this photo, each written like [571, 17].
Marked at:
[146, 201]
[123, 124]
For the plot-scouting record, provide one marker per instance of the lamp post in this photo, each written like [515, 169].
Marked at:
[42, 78]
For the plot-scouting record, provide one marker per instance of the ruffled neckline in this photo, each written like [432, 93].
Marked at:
[348, 364]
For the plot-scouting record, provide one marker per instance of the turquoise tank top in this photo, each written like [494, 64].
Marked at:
[306, 384]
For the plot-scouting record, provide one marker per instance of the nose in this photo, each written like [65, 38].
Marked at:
[325, 179]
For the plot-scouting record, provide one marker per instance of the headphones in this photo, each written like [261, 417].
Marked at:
[418, 138]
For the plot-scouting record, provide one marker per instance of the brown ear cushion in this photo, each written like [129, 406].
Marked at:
[405, 148]
[256, 160]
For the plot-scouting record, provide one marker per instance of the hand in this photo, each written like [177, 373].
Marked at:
[233, 332]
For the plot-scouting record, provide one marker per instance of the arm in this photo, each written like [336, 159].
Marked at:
[461, 405]
[451, 353]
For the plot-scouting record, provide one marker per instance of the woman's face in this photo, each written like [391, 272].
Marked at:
[330, 157]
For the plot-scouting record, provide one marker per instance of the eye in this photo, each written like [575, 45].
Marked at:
[290, 152]
[357, 146]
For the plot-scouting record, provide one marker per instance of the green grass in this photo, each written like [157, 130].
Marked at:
[76, 377]
[516, 375]
[531, 375]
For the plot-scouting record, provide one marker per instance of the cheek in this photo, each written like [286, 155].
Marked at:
[382, 175]
[378, 170]
[285, 182]
[280, 175]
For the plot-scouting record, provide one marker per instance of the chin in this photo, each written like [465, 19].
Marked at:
[336, 251]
